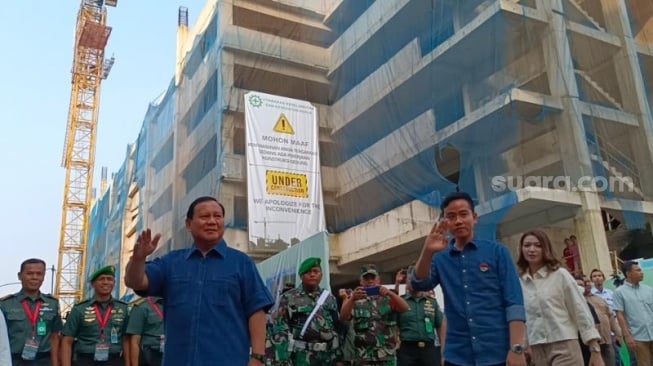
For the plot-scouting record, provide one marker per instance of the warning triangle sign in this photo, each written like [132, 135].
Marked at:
[283, 125]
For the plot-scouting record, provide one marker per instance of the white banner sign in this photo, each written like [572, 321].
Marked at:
[284, 186]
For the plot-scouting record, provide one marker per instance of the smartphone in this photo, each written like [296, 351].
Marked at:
[372, 291]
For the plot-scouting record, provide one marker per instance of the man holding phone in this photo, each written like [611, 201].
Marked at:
[373, 310]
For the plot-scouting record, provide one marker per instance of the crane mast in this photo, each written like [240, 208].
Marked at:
[89, 69]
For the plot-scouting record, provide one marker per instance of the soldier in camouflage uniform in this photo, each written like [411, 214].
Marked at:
[271, 356]
[319, 345]
[374, 318]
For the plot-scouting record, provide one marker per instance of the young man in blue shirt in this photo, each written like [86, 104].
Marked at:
[483, 299]
[215, 299]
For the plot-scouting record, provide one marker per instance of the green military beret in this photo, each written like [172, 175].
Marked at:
[106, 270]
[368, 269]
[308, 264]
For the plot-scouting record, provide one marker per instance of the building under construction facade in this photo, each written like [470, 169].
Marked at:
[540, 109]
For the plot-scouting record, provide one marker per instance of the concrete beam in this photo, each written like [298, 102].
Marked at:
[594, 33]
[608, 114]
[279, 66]
[393, 150]
[266, 9]
[376, 86]
[368, 24]
[401, 225]
[237, 38]
[390, 151]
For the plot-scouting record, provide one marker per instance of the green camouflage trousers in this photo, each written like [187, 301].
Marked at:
[390, 362]
[312, 358]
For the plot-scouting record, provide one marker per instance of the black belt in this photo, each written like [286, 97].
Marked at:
[418, 344]
[39, 356]
[154, 349]
[91, 356]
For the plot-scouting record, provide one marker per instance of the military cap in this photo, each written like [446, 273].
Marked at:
[308, 264]
[368, 269]
[106, 270]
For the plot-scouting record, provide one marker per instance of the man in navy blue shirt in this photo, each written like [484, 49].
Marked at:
[215, 299]
[483, 298]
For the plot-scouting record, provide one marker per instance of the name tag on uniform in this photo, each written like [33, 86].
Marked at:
[101, 352]
[30, 349]
[162, 343]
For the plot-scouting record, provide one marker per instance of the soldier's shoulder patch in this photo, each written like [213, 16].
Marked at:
[84, 302]
[50, 296]
[138, 302]
[7, 297]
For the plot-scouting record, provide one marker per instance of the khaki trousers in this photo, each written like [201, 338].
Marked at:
[563, 353]
[643, 352]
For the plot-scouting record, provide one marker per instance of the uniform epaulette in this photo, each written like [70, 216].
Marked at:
[83, 301]
[50, 296]
[138, 302]
[7, 297]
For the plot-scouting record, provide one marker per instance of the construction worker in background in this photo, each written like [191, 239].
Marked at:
[145, 331]
[306, 321]
[97, 326]
[33, 319]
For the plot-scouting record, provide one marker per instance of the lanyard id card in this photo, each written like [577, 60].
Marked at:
[162, 343]
[102, 348]
[30, 349]
[114, 336]
[41, 328]
[101, 352]
[428, 326]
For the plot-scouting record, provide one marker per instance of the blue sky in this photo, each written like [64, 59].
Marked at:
[37, 55]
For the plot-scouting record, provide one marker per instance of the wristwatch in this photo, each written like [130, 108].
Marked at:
[258, 356]
[595, 349]
[517, 348]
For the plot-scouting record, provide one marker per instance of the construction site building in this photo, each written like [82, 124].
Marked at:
[540, 109]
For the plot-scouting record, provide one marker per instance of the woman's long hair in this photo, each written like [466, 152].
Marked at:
[549, 258]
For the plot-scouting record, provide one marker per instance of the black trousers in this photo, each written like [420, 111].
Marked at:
[453, 364]
[150, 357]
[87, 359]
[411, 354]
[42, 359]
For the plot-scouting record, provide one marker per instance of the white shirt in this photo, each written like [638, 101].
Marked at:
[555, 309]
[606, 295]
[5, 351]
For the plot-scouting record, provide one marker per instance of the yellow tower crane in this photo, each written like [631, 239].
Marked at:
[89, 69]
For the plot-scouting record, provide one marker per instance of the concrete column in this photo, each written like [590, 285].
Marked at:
[571, 136]
[592, 241]
[633, 92]
[562, 81]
